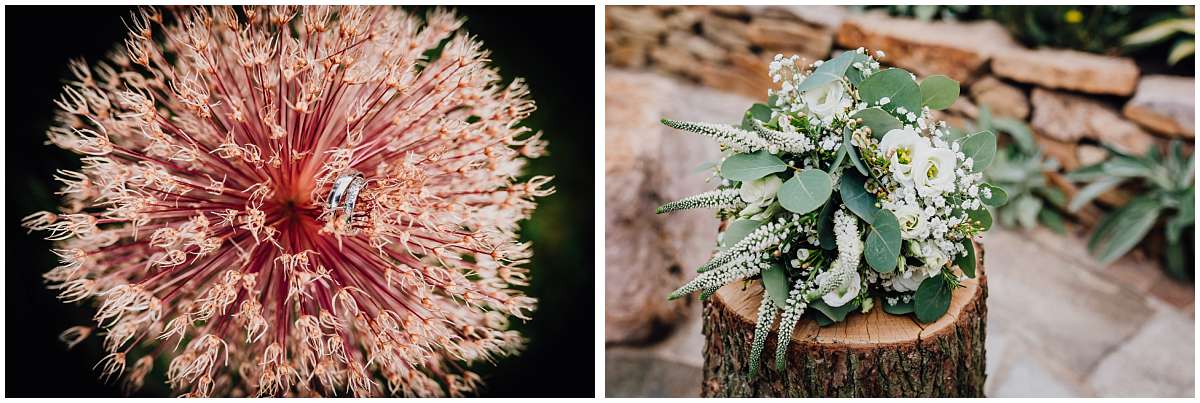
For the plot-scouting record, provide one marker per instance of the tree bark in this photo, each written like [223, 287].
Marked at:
[868, 355]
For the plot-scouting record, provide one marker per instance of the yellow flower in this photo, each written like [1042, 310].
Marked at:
[1073, 16]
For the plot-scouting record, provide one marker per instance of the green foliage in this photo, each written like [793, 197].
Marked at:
[900, 307]
[938, 92]
[748, 167]
[882, 248]
[1180, 30]
[1167, 195]
[806, 191]
[828, 72]
[856, 198]
[833, 314]
[878, 120]
[966, 262]
[736, 231]
[775, 281]
[980, 147]
[1019, 171]
[932, 299]
[825, 226]
[897, 86]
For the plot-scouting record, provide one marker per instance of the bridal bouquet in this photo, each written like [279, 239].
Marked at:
[843, 189]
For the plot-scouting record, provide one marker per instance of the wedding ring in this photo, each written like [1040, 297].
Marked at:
[345, 192]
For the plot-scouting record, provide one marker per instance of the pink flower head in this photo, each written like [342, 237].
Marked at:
[288, 201]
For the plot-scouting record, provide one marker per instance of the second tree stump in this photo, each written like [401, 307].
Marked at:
[868, 355]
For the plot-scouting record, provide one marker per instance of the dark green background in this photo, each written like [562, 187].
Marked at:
[551, 47]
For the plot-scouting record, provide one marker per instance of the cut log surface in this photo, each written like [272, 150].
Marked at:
[868, 355]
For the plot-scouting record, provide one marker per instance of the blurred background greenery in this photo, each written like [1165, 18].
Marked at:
[551, 47]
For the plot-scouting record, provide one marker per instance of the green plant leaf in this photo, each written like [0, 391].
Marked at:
[900, 308]
[1183, 49]
[806, 191]
[759, 112]
[1159, 31]
[1092, 191]
[1019, 132]
[736, 231]
[980, 217]
[748, 167]
[856, 197]
[829, 71]
[775, 281]
[1125, 228]
[980, 147]
[1174, 260]
[825, 226]
[938, 92]
[854, 74]
[883, 242]
[835, 314]
[1027, 207]
[1051, 219]
[878, 120]
[1184, 217]
[999, 196]
[839, 158]
[932, 299]
[966, 263]
[894, 84]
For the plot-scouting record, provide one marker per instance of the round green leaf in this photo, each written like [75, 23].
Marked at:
[981, 147]
[736, 231]
[966, 263]
[999, 196]
[878, 120]
[883, 242]
[938, 92]
[856, 197]
[759, 112]
[932, 299]
[829, 71]
[775, 281]
[806, 191]
[981, 218]
[748, 167]
[894, 84]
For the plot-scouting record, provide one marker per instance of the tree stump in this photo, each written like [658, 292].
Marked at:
[868, 355]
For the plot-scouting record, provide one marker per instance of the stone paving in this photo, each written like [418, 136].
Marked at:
[1058, 325]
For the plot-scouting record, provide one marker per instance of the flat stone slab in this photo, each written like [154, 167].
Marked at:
[1069, 314]
[632, 373]
[958, 50]
[1159, 361]
[1165, 104]
[1067, 69]
[1070, 117]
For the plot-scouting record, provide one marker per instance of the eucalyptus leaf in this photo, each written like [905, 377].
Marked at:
[966, 263]
[775, 281]
[759, 112]
[980, 147]
[878, 120]
[981, 218]
[883, 242]
[828, 72]
[932, 299]
[999, 196]
[806, 191]
[894, 84]
[856, 198]
[839, 158]
[748, 167]
[938, 92]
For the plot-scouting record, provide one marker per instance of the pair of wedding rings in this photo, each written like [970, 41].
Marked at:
[345, 192]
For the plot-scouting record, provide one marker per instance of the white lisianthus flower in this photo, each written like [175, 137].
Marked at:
[844, 294]
[911, 224]
[826, 101]
[759, 193]
[934, 169]
[908, 281]
[901, 147]
[934, 257]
